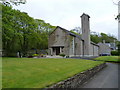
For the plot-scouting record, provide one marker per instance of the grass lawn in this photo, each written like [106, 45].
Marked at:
[39, 73]
[109, 58]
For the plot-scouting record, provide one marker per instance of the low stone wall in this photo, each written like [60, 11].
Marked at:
[79, 79]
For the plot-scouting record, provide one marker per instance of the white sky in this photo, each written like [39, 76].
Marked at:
[66, 13]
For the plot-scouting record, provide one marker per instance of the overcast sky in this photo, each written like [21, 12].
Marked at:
[66, 13]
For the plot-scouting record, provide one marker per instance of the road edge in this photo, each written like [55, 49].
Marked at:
[79, 79]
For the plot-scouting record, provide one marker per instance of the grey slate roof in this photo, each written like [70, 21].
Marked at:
[68, 32]
[72, 34]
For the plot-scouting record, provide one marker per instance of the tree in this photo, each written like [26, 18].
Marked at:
[23, 33]
[43, 29]
[18, 30]
[95, 38]
[108, 38]
[77, 30]
[14, 2]
[8, 31]
[27, 28]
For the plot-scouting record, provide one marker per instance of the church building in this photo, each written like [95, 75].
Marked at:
[62, 41]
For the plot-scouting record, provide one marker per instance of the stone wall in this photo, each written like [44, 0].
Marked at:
[79, 79]
[103, 48]
[91, 50]
[96, 52]
[57, 38]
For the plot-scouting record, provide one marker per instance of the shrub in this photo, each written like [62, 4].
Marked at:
[34, 55]
[67, 56]
[114, 53]
[30, 56]
[63, 55]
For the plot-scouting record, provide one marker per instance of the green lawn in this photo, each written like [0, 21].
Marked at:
[109, 58]
[39, 73]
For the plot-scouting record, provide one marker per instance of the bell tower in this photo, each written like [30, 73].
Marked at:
[85, 34]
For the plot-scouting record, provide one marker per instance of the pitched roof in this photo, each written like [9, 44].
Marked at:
[68, 32]
[94, 43]
[72, 34]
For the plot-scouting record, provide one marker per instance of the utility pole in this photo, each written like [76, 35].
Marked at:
[118, 21]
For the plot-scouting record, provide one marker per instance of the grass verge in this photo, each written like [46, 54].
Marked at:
[39, 73]
[109, 58]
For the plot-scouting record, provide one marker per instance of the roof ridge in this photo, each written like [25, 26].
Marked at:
[71, 33]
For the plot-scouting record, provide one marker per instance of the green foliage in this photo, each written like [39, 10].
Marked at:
[39, 73]
[63, 55]
[75, 32]
[96, 38]
[114, 53]
[44, 29]
[107, 38]
[20, 32]
[35, 55]
[18, 29]
[23, 33]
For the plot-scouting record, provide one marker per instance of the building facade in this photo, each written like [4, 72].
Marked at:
[62, 41]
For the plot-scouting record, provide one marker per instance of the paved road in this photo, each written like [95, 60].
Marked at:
[106, 78]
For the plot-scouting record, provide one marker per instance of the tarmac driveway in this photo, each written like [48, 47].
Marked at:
[106, 78]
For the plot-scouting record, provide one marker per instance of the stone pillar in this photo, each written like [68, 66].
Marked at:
[85, 33]
[60, 50]
[73, 45]
[51, 49]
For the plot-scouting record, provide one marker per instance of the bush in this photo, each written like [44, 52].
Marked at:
[34, 55]
[67, 56]
[30, 56]
[63, 55]
[9, 54]
[114, 53]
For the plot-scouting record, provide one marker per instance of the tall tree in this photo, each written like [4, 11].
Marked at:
[18, 28]
[77, 30]
[22, 33]
[44, 29]
[108, 38]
